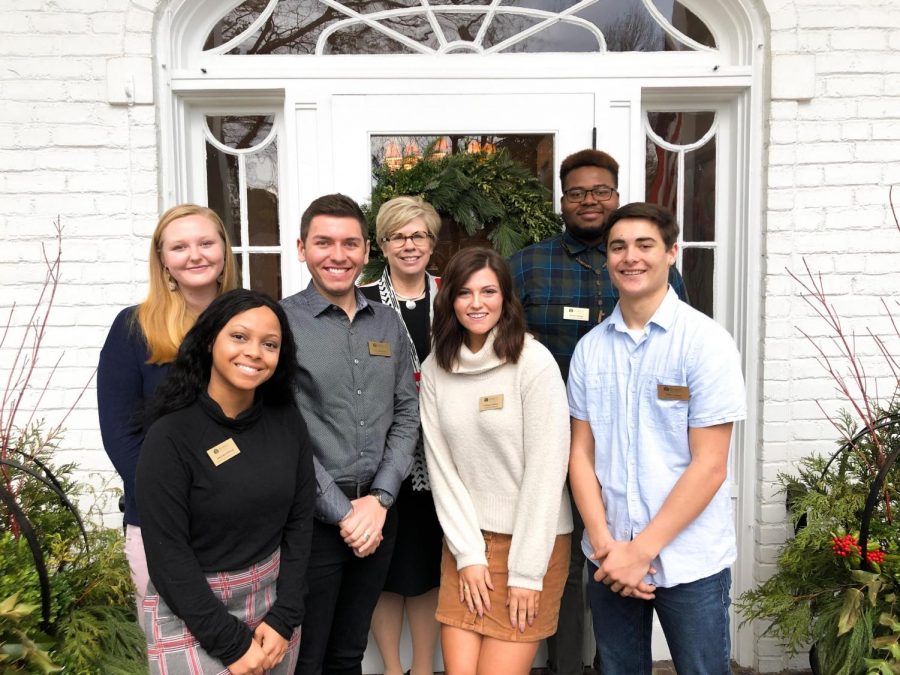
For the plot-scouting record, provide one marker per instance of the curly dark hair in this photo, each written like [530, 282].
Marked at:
[448, 333]
[598, 158]
[189, 373]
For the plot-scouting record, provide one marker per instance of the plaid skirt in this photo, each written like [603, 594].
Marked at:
[247, 594]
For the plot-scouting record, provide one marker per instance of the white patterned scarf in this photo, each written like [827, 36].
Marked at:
[419, 473]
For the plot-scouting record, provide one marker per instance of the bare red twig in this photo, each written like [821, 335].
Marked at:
[22, 371]
[893, 210]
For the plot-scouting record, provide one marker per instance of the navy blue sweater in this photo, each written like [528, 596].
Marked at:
[125, 381]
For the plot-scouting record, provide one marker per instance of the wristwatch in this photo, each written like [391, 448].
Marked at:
[384, 497]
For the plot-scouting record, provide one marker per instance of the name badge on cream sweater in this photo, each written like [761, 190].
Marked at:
[494, 402]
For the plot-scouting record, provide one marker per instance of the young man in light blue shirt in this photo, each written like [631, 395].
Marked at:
[654, 391]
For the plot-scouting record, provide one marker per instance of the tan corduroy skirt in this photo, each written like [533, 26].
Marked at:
[495, 624]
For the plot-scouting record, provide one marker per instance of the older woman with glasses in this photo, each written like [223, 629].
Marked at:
[406, 229]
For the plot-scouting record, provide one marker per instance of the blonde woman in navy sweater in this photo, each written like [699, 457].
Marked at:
[190, 263]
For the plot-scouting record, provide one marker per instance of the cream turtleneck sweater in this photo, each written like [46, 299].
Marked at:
[500, 470]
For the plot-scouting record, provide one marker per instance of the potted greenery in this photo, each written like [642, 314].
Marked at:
[66, 599]
[837, 583]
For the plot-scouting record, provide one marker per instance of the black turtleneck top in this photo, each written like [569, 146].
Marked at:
[198, 518]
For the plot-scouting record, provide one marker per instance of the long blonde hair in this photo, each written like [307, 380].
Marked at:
[164, 317]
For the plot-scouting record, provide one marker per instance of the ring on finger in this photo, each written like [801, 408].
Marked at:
[366, 536]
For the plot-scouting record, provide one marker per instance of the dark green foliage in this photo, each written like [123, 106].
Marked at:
[479, 191]
[817, 597]
[92, 626]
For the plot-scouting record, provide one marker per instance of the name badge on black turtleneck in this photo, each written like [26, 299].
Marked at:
[222, 452]
[494, 402]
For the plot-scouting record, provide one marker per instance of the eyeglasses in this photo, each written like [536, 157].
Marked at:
[398, 240]
[601, 193]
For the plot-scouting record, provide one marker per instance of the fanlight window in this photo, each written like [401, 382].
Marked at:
[457, 26]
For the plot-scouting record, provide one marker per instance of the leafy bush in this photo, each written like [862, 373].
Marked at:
[66, 596]
[837, 581]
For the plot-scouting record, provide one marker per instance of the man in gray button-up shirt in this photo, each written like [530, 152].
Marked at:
[357, 393]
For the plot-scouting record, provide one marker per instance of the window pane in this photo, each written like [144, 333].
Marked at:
[686, 22]
[697, 270]
[361, 39]
[265, 273]
[681, 128]
[295, 26]
[700, 194]
[460, 26]
[223, 195]
[240, 131]
[662, 177]
[234, 23]
[262, 196]
[534, 151]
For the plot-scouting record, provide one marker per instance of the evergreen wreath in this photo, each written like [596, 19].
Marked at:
[479, 191]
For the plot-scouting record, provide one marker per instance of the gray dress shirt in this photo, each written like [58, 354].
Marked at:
[360, 406]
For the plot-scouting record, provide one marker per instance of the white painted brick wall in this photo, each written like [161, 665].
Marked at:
[65, 151]
[831, 159]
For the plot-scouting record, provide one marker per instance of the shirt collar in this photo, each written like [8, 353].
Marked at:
[576, 246]
[318, 303]
[663, 317]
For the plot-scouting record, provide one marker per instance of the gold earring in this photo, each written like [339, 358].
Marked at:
[170, 281]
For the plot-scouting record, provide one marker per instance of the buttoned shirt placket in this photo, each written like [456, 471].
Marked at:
[633, 497]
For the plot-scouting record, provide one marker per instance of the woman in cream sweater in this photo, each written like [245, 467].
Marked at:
[496, 427]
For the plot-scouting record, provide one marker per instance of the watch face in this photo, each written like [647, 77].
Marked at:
[384, 499]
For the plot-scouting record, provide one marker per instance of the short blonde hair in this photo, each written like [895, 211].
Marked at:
[164, 317]
[397, 212]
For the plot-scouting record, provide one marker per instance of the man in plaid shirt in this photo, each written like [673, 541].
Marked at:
[565, 289]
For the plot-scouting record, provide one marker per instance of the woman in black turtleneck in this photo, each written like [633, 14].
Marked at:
[225, 487]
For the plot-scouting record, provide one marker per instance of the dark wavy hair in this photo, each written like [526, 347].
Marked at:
[656, 214]
[447, 332]
[189, 373]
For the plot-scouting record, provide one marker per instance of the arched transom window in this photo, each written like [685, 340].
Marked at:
[421, 26]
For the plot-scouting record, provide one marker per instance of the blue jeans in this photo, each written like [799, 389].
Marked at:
[694, 618]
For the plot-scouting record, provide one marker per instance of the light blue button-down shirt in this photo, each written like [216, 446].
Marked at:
[641, 441]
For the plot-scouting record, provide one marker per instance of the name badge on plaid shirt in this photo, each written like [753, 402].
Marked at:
[576, 313]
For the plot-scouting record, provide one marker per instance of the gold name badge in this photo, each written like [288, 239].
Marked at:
[672, 392]
[494, 402]
[222, 452]
[379, 348]
[576, 313]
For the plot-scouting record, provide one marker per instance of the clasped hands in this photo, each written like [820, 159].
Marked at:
[623, 567]
[267, 649]
[361, 528]
[474, 586]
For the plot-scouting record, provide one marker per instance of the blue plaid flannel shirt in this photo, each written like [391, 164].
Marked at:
[548, 277]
